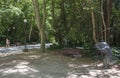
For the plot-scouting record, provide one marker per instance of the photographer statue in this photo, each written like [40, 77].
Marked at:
[106, 53]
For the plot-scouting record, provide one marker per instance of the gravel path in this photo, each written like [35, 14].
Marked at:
[52, 65]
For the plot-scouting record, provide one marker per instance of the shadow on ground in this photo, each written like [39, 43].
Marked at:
[52, 65]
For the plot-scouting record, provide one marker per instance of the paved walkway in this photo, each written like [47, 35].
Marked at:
[20, 48]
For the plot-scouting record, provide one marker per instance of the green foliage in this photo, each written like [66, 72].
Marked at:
[12, 14]
[116, 23]
[68, 22]
[116, 52]
[55, 47]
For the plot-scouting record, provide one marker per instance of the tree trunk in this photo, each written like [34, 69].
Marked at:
[103, 21]
[63, 22]
[94, 30]
[109, 12]
[107, 16]
[40, 27]
[43, 27]
[30, 32]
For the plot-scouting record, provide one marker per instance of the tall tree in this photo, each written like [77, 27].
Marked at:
[41, 26]
[104, 33]
[94, 26]
[107, 16]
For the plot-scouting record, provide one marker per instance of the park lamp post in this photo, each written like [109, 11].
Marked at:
[25, 22]
[13, 34]
[8, 31]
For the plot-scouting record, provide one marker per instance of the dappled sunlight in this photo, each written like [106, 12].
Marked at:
[7, 54]
[22, 68]
[94, 73]
[106, 72]
[72, 76]
[10, 63]
[86, 76]
[76, 74]
[34, 56]
[78, 66]
[45, 65]
[90, 71]
[83, 65]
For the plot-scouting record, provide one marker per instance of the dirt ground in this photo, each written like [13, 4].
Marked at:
[52, 65]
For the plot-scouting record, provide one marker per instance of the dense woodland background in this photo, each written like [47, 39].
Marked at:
[65, 23]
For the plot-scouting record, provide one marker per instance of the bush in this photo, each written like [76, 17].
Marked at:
[116, 52]
[54, 47]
